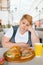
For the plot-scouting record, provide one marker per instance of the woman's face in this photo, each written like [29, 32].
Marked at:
[24, 24]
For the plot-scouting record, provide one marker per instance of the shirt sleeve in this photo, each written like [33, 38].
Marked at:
[9, 33]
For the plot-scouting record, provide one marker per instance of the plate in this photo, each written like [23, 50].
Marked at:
[19, 54]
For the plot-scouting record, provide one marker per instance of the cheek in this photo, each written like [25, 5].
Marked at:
[26, 28]
[21, 25]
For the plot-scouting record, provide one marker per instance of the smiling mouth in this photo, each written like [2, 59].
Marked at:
[23, 29]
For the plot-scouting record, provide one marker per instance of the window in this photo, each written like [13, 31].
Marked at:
[4, 5]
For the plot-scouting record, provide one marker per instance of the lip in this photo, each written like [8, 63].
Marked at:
[23, 28]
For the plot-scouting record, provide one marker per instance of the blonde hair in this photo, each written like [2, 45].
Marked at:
[28, 18]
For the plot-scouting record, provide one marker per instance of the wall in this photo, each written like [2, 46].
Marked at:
[4, 17]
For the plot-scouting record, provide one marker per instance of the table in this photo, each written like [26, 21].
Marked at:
[39, 28]
[34, 61]
[39, 31]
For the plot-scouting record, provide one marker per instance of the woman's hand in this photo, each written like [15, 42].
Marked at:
[30, 28]
[34, 37]
[21, 44]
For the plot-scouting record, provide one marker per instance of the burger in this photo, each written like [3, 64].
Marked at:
[13, 54]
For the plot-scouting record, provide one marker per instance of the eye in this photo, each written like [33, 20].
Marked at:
[27, 25]
[23, 23]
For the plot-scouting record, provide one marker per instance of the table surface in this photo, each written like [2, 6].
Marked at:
[34, 61]
[39, 28]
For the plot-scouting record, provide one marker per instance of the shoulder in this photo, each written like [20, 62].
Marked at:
[9, 32]
[10, 29]
[15, 27]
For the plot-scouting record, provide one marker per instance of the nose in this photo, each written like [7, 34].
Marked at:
[24, 25]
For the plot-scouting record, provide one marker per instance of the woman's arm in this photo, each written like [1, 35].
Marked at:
[7, 37]
[6, 43]
[34, 36]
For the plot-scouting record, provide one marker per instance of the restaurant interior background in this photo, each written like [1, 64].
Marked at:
[12, 10]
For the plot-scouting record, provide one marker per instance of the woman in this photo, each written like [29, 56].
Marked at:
[25, 34]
